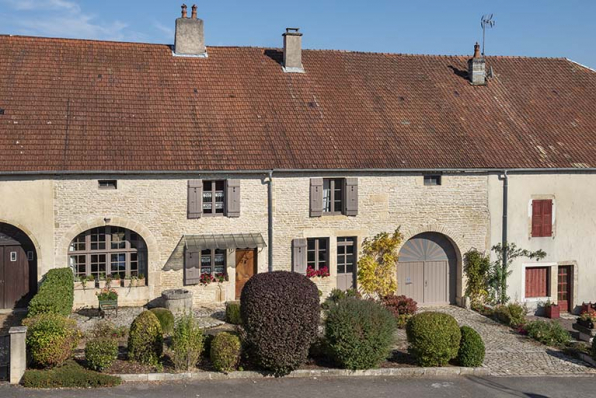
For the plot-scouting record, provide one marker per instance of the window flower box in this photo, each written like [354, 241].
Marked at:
[323, 272]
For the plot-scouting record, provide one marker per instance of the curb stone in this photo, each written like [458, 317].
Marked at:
[305, 373]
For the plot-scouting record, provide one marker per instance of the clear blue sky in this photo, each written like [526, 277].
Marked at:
[551, 28]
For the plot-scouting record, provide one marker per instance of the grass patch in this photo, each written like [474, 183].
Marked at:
[71, 375]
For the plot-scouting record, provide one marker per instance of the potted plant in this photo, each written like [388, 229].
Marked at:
[116, 280]
[79, 283]
[134, 281]
[141, 280]
[587, 319]
[108, 299]
[206, 279]
[553, 310]
[101, 280]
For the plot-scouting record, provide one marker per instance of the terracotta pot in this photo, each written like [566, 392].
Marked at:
[553, 311]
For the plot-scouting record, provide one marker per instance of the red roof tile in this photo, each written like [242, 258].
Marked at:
[86, 105]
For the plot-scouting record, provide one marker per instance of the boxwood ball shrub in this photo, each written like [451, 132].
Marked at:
[434, 338]
[55, 295]
[280, 313]
[233, 313]
[145, 339]
[359, 333]
[225, 352]
[165, 318]
[471, 348]
[51, 339]
[100, 353]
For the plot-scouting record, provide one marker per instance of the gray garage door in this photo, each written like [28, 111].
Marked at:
[426, 270]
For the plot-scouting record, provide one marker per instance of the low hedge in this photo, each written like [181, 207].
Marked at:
[51, 339]
[471, 348]
[434, 338]
[548, 333]
[225, 352]
[71, 375]
[165, 318]
[233, 313]
[55, 295]
[100, 353]
[359, 333]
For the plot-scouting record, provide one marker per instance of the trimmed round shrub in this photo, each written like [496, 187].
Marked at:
[187, 343]
[434, 338]
[280, 313]
[471, 348]
[165, 318]
[225, 352]
[336, 295]
[145, 340]
[233, 313]
[359, 333]
[51, 339]
[101, 352]
[402, 308]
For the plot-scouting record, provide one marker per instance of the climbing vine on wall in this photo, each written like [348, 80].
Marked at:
[377, 266]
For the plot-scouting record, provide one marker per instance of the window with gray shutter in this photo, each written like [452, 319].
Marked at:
[192, 267]
[351, 195]
[195, 199]
[316, 197]
[299, 255]
[233, 198]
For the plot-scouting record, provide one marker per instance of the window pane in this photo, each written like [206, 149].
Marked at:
[77, 263]
[134, 264]
[118, 238]
[220, 262]
[322, 244]
[206, 262]
[78, 244]
[207, 186]
[338, 196]
[118, 264]
[98, 264]
[98, 239]
[219, 201]
[326, 195]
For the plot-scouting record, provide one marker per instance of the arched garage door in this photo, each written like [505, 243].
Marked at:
[426, 270]
[18, 267]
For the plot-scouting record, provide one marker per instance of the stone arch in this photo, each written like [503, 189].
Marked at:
[456, 241]
[29, 234]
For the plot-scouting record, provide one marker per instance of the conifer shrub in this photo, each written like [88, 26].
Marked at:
[359, 333]
[434, 338]
[145, 339]
[280, 312]
[225, 352]
[471, 348]
[51, 339]
[165, 318]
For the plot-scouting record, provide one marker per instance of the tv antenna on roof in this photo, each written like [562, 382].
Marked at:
[486, 22]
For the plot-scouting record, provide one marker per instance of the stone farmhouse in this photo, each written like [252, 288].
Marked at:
[187, 163]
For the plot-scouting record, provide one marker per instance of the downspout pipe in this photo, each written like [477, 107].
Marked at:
[270, 221]
[505, 213]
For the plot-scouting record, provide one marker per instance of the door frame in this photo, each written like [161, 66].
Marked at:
[570, 284]
[255, 267]
[355, 267]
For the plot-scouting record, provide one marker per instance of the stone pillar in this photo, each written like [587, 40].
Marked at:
[18, 353]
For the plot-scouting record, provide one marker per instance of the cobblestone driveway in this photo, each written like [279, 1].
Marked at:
[508, 353]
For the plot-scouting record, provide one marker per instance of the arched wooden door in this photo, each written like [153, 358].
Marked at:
[17, 268]
[426, 270]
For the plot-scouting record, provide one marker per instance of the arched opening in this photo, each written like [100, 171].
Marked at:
[108, 250]
[18, 267]
[427, 269]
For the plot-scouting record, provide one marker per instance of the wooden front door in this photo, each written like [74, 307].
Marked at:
[565, 292]
[246, 267]
[14, 276]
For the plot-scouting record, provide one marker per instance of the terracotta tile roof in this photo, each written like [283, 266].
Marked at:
[88, 105]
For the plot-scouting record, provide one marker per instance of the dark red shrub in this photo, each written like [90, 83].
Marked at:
[280, 313]
[401, 307]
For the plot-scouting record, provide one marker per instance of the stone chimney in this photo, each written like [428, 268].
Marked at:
[477, 68]
[293, 51]
[190, 38]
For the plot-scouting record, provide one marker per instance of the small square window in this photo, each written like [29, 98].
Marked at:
[432, 180]
[13, 256]
[108, 184]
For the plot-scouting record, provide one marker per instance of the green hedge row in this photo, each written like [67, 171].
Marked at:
[56, 294]
[71, 375]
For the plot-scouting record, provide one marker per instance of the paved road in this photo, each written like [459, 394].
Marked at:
[531, 387]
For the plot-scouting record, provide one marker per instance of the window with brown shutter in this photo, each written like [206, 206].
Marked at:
[299, 256]
[537, 282]
[195, 196]
[192, 267]
[233, 198]
[332, 196]
[542, 218]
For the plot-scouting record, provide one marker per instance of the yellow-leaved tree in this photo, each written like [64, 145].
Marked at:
[377, 267]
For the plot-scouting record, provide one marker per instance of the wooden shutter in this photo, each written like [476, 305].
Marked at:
[299, 255]
[233, 198]
[316, 197]
[542, 218]
[351, 196]
[547, 218]
[536, 218]
[192, 267]
[537, 281]
[195, 199]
